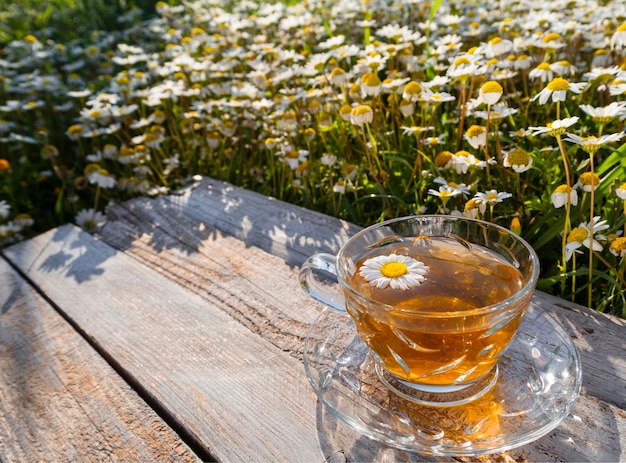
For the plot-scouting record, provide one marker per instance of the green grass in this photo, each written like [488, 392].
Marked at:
[363, 114]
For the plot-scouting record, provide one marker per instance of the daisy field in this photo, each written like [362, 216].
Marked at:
[512, 112]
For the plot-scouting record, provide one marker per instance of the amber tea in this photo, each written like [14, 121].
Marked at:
[412, 333]
[436, 298]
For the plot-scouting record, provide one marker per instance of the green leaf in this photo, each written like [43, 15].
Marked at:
[433, 9]
[58, 206]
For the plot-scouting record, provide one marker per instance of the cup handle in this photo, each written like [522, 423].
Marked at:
[318, 278]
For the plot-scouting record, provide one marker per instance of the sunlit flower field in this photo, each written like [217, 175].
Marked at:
[512, 112]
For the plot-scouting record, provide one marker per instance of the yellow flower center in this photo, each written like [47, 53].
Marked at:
[393, 269]
[544, 66]
[337, 72]
[578, 235]
[562, 189]
[361, 110]
[554, 132]
[462, 153]
[370, 79]
[590, 179]
[518, 157]
[551, 37]
[471, 204]
[491, 197]
[590, 144]
[413, 88]
[443, 158]
[304, 165]
[461, 61]
[622, 28]
[558, 84]
[495, 41]
[91, 168]
[491, 87]
[618, 246]
[475, 131]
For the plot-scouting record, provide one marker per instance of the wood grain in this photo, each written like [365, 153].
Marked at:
[196, 295]
[213, 218]
[59, 400]
[229, 388]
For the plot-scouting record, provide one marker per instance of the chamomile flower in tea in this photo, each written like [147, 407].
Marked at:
[394, 270]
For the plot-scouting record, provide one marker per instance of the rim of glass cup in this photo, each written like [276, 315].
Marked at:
[529, 285]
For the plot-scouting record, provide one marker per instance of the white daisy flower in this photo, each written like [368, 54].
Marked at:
[102, 178]
[329, 160]
[490, 92]
[591, 144]
[558, 127]
[558, 88]
[492, 196]
[618, 247]
[619, 37]
[476, 136]
[462, 161]
[5, 209]
[543, 72]
[588, 181]
[560, 195]
[607, 113]
[445, 192]
[460, 188]
[518, 159]
[362, 114]
[340, 187]
[396, 271]
[586, 235]
[89, 219]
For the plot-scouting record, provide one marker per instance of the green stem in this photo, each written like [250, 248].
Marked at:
[591, 215]
[567, 224]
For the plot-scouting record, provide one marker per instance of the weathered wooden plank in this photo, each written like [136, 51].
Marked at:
[231, 389]
[170, 232]
[59, 400]
[200, 236]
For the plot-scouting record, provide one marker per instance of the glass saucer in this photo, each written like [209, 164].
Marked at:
[538, 383]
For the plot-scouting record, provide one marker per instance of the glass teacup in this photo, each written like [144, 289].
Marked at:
[437, 299]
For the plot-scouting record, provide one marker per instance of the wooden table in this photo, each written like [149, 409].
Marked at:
[176, 334]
